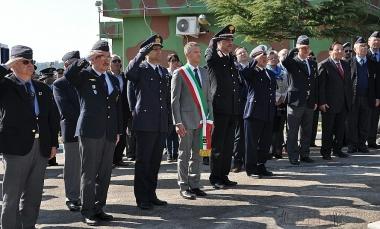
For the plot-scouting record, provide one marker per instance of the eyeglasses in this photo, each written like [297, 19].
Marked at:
[347, 51]
[116, 61]
[26, 62]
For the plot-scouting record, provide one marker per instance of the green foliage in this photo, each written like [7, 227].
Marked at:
[263, 20]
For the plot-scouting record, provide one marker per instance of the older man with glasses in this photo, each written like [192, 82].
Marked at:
[99, 128]
[28, 138]
[67, 101]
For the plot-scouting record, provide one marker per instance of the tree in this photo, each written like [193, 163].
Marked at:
[264, 20]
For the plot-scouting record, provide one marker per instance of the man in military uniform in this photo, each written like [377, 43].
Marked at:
[28, 138]
[67, 101]
[226, 104]
[258, 113]
[302, 100]
[99, 128]
[150, 122]
[374, 55]
[364, 97]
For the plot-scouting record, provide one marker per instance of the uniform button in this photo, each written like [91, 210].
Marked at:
[107, 98]
[160, 99]
[161, 107]
[109, 107]
[309, 84]
[144, 110]
[232, 74]
[36, 118]
[234, 82]
[160, 91]
[34, 131]
[234, 90]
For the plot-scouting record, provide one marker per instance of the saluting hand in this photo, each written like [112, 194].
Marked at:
[324, 107]
[53, 152]
[180, 129]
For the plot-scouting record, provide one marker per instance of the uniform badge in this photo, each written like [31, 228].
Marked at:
[93, 80]
[93, 86]
[40, 93]
[95, 92]
[231, 28]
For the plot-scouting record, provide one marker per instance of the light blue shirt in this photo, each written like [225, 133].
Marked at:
[121, 82]
[36, 106]
[358, 58]
[108, 81]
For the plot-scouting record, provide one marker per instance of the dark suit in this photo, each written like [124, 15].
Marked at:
[335, 91]
[375, 111]
[126, 113]
[359, 117]
[99, 122]
[258, 115]
[150, 123]
[131, 137]
[301, 101]
[225, 82]
[67, 101]
[26, 140]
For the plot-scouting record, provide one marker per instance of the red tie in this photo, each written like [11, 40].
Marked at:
[341, 72]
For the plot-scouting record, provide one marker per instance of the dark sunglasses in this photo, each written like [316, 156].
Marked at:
[116, 61]
[347, 51]
[26, 62]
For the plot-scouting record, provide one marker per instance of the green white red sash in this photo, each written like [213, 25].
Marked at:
[201, 104]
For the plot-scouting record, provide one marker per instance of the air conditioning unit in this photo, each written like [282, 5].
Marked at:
[187, 26]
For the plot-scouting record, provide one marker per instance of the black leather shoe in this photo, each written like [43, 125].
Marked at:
[91, 221]
[122, 164]
[352, 150]
[263, 171]
[327, 157]
[145, 206]
[294, 162]
[277, 155]
[340, 154]
[218, 185]
[131, 158]
[159, 202]
[307, 160]
[188, 195]
[363, 149]
[197, 192]
[236, 169]
[104, 216]
[228, 183]
[73, 206]
[373, 146]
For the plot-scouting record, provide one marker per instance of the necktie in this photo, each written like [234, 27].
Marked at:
[157, 71]
[377, 56]
[31, 94]
[341, 72]
[306, 67]
[197, 77]
[104, 82]
[361, 61]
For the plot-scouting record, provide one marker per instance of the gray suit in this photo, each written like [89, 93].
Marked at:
[185, 111]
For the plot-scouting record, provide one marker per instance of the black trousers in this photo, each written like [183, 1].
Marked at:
[119, 150]
[333, 125]
[358, 122]
[258, 136]
[149, 147]
[278, 132]
[222, 145]
[131, 141]
[315, 126]
[374, 123]
[239, 144]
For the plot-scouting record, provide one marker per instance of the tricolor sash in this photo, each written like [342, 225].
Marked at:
[201, 104]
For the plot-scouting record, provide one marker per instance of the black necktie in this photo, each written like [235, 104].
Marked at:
[306, 68]
[197, 77]
[157, 71]
[31, 95]
[104, 82]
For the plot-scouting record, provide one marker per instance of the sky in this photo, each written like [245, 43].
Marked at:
[50, 27]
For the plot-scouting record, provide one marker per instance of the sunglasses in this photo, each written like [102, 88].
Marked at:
[116, 61]
[26, 62]
[348, 51]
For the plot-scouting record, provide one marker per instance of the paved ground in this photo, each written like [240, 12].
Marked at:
[343, 193]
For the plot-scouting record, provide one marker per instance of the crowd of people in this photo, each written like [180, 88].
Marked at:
[234, 114]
